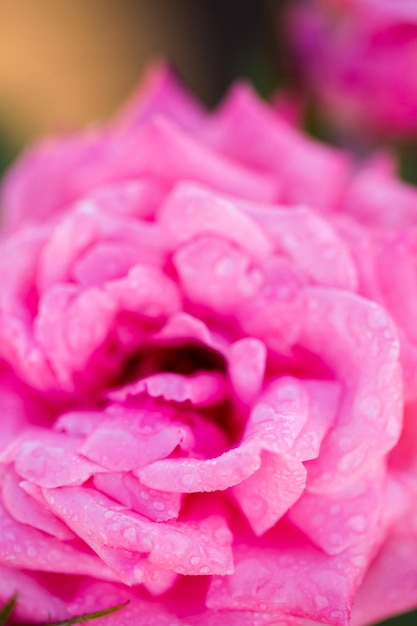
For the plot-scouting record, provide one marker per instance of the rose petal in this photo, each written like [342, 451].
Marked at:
[71, 325]
[275, 422]
[142, 441]
[27, 548]
[364, 354]
[33, 598]
[267, 495]
[158, 506]
[49, 459]
[391, 576]
[138, 198]
[309, 241]
[291, 577]
[216, 274]
[190, 211]
[247, 363]
[247, 130]
[202, 389]
[160, 92]
[183, 548]
[340, 520]
[146, 291]
[25, 509]
[162, 150]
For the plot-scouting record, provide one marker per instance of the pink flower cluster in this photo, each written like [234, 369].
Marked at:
[208, 380]
[359, 57]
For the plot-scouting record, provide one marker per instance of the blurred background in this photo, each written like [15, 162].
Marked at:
[70, 62]
[66, 63]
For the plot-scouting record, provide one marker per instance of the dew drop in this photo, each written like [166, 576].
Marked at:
[358, 523]
[130, 535]
[187, 479]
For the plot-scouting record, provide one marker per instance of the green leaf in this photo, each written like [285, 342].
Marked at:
[87, 616]
[7, 610]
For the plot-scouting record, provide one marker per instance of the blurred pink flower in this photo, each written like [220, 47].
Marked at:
[207, 340]
[359, 58]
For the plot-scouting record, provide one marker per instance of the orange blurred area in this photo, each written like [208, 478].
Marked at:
[67, 62]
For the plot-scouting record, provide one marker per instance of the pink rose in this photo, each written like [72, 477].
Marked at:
[359, 58]
[202, 318]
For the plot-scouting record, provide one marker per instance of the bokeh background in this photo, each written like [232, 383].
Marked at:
[64, 64]
[67, 63]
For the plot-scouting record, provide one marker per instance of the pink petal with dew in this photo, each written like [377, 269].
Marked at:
[246, 129]
[267, 495]
[72, 323]
[216, 274]
[160, 92]
[156, 580]
[391, 576]
[49, 459]
[70, 237]
[144, 437]
[391, 283]
[290, 577]
[70, 250]
[247, 363]
[243, 618]
[201, 389]
[158, 506]
[309, 241]
[79, 423]
[337, 521]
[273, 425]
[25, 509]
[23, 547]
[108, 261]
[186, 548]
[18, 305]
[396, 270]
[324, 401]
[131, 568]
[33, 598]
[360, 344]
[273, 312]
[86, 317]
[147, 292]
[190, 211]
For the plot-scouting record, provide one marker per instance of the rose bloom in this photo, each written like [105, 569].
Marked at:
[208, 373]
[359, 58]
